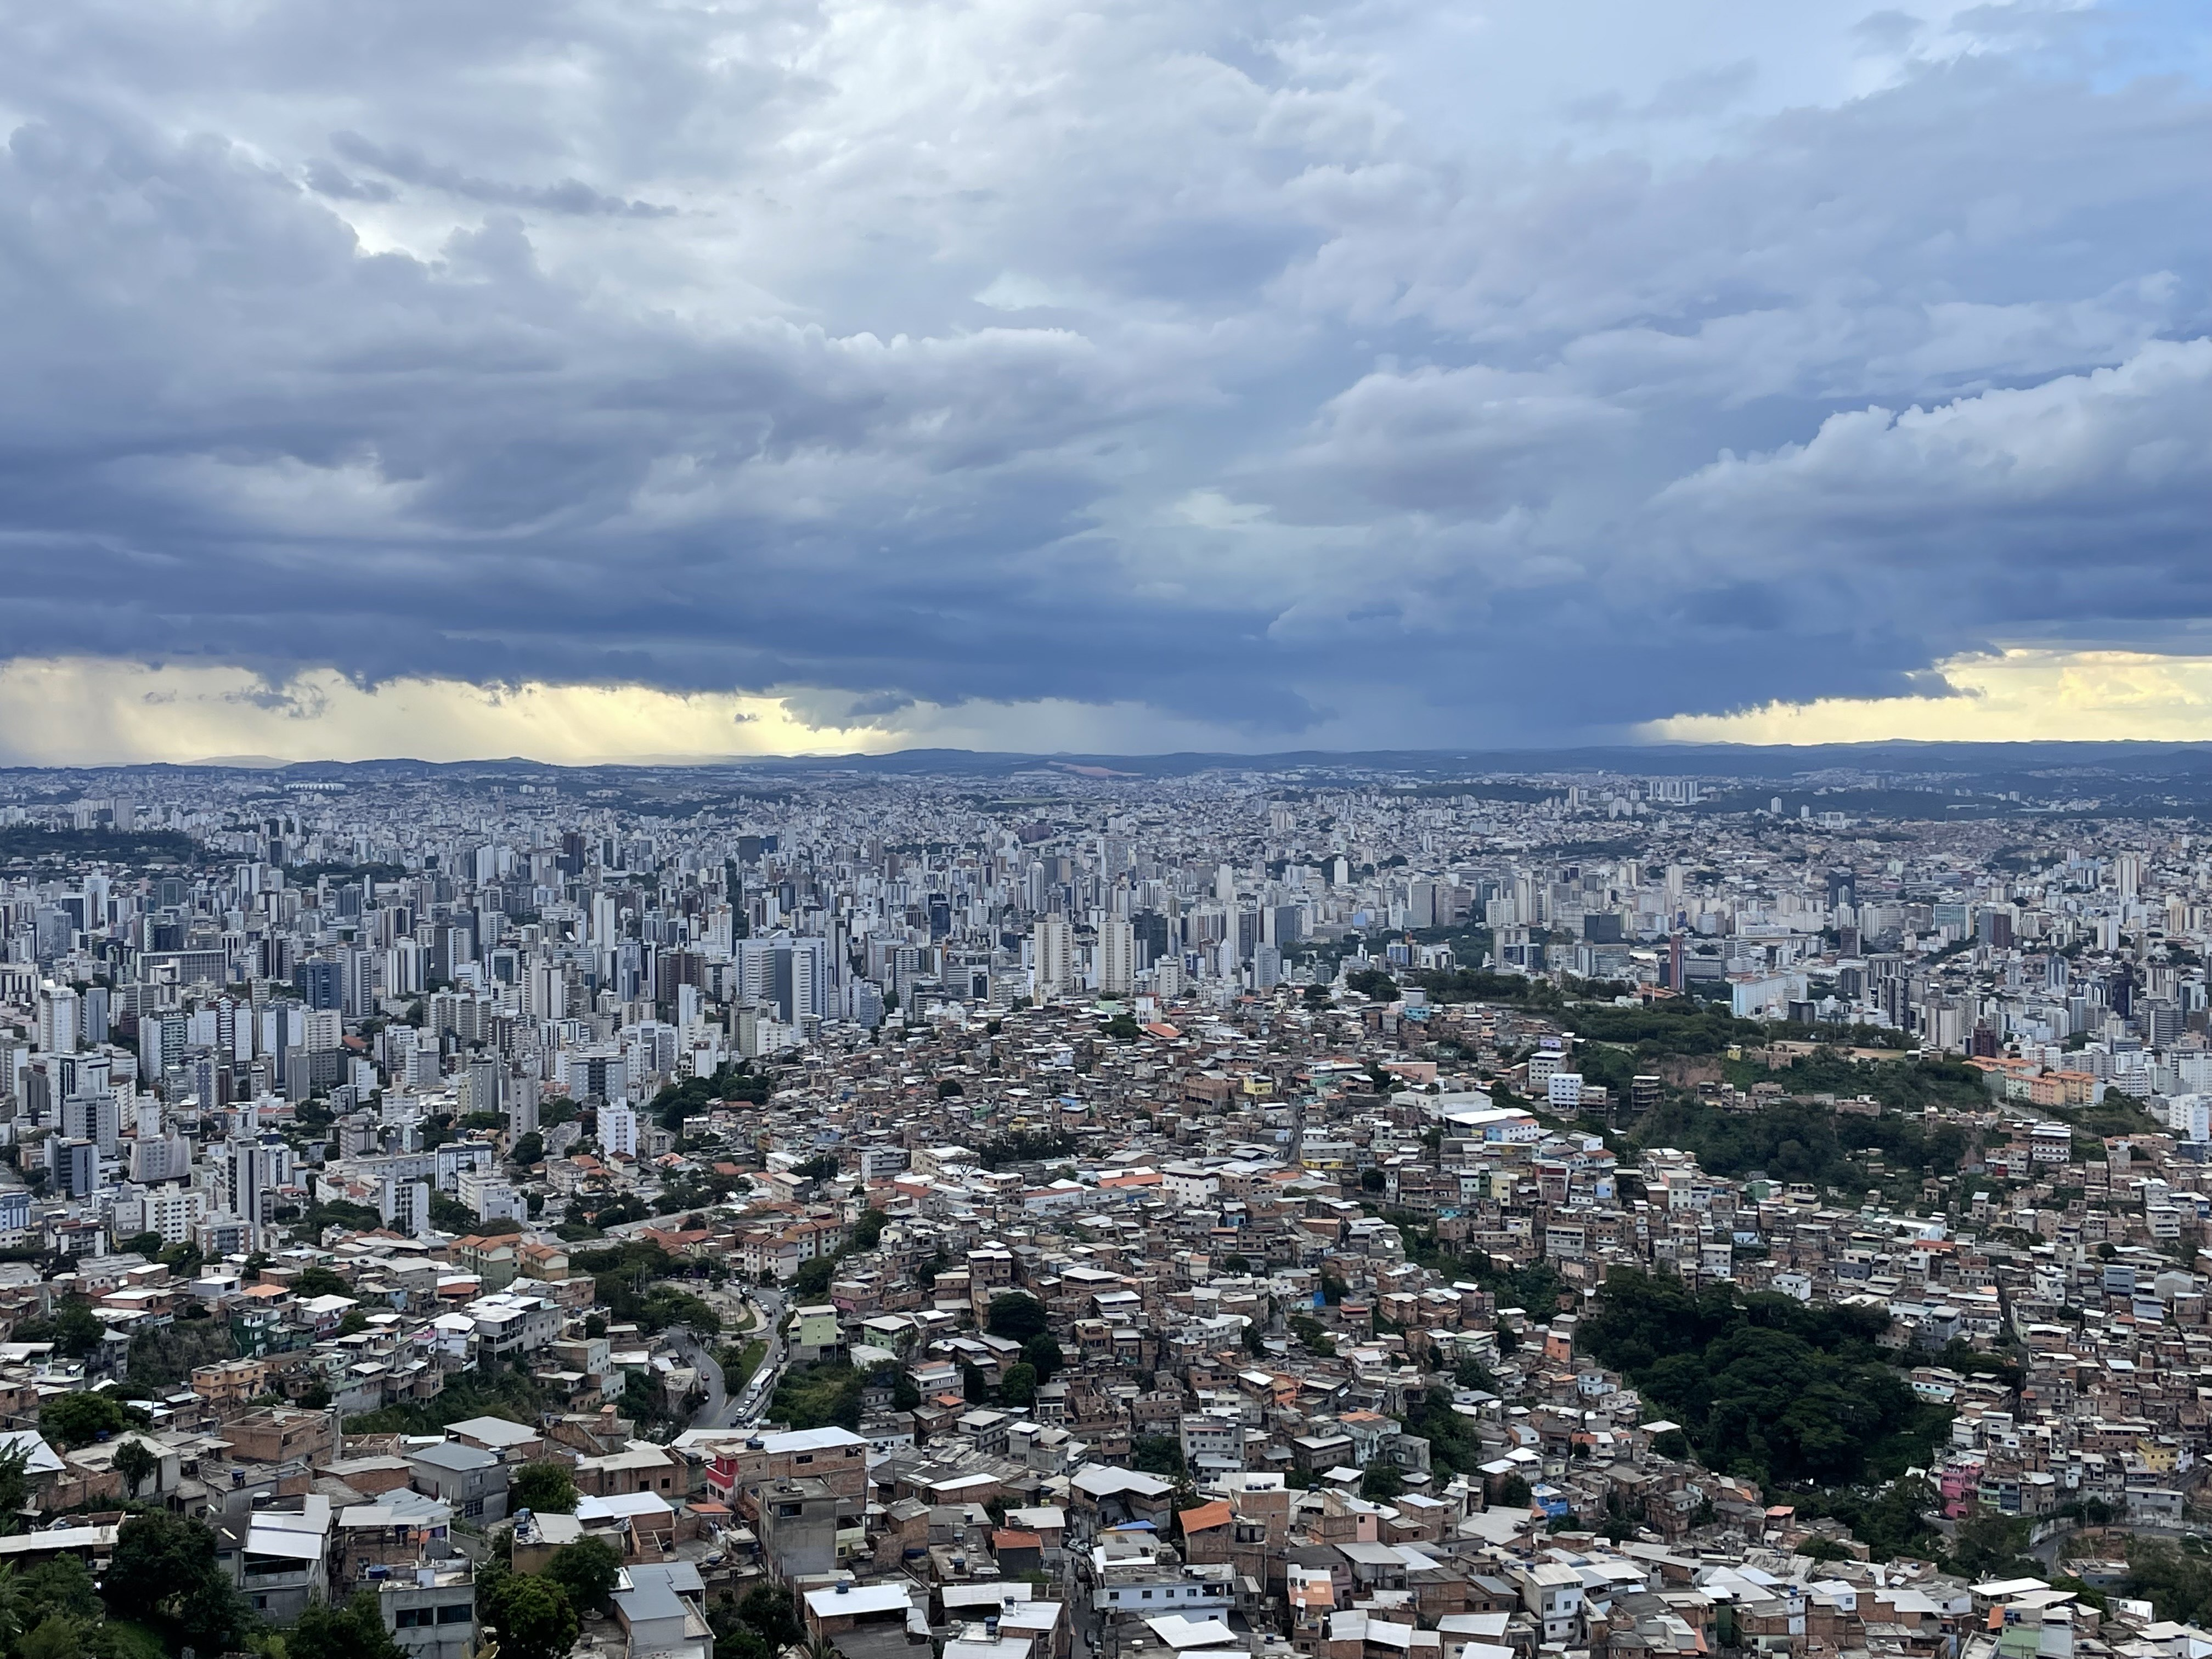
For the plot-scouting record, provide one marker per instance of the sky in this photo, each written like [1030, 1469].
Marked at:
[590, 380]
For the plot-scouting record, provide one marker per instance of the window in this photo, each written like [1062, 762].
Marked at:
[457, 1613]
[409, 1618]
[803, 1457]
[1148, 1595]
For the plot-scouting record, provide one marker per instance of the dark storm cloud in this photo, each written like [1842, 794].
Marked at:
[643, 345]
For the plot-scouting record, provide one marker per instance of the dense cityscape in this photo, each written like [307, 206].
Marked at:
[1058, 1211]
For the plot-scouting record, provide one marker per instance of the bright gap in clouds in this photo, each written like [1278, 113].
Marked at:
[70, 711]
[2023, 696]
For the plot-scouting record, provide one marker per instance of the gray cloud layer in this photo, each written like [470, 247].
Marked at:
[1315, 372]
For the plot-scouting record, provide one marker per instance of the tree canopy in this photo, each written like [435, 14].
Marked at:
[1764, 1386]
[545, 1488]
[1016, 1315]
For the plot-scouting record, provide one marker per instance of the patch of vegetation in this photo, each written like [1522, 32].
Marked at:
[1454, 1446]
[1157, 1454]
[1537, 1287]
[1026, 1147]
[739, 1365]
[1372, 983]
[818, 1396]
[1016, 1315]
[2176, 1582]
[1801, 1140]
[763, 1625]
[30, 843]
[510, 1392]
[1764, 1386]
[306, 875]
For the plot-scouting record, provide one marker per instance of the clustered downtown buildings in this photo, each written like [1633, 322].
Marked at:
[1056, 1211]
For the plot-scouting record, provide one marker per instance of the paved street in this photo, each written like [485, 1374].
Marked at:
[720, 1409]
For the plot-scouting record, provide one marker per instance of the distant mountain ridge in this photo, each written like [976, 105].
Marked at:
[2043, 761]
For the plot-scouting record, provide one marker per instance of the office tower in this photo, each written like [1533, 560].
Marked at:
[321, 984]
[800, 983]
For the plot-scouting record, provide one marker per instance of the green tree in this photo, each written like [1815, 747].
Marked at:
[168, 1564]
[587, 1570]
[1042, 1353]
[55, 1637]
[1986, 1546]
[1382, 1483]
[1019, 1386]
[1016, 1315]
[14, 1488]
[146, 1244]
[545, 1488]
[533, 1617]
[1157, 1454]
[73, 1329]
[770, 1610]
[345, 1630]
[78, 1419]
[889, 1374]
[133, 1461]
[320, 1280]
[59, 1584]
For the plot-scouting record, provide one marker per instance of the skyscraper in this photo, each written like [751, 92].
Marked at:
[1054, 951]
[1117, 958]
[57, 1019]
[252, 1171]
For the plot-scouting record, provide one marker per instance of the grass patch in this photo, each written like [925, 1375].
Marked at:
[513, 1393]
[126, 1638]
[735, 1377]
